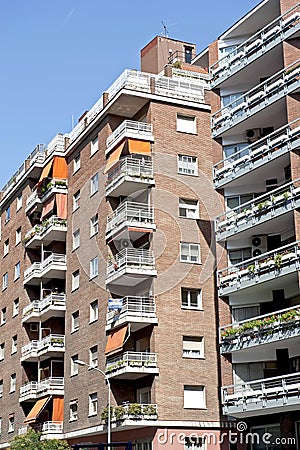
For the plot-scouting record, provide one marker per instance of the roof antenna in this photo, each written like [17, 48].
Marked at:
[166, 33]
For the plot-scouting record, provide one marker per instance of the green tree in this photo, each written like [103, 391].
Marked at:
[32, 441]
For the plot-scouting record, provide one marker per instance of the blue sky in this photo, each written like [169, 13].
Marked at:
[58, 56]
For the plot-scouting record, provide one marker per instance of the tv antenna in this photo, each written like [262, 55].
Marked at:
[165, 31]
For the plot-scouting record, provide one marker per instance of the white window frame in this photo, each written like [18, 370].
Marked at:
[186, 124]
[6, 248]
[189, 291]
[194, 397]
[75, 280]
[17, 271]
[11, 424]
[1, 388]
[94, 145]
[76, 239]
[18, 235]
[2, 351]
[73, 410]
[188, 209]
[74, 366]
[13, 383]
[187, 165]
[3, 317]
[19, 202]
[94, 183]
[190, 256]
[94, 225]
[93, 356]
[93, 404]
[94, 267]
[16, 306]
[5, 281]
[14, 344]
[7, 214]
[76, 163]
[76, 201]
[94, 311]
[75, 321]
[193, 347]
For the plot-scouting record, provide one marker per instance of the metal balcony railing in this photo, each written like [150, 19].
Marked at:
[186, 89]
[57, 144]
[134, 360]
[258, 153]
[54, 183]
[132, 127]
[261, 42]
[134, 306]
[282, 83]
[131, 212]
[262, 268]
[269, 392]
[31, 199]
[275, 326]
[38, 306]
[39, 230]
[50, 341]
[259, 210]
[38, 267]
[39, 387]
[131, 258]
[135, 168]
[50, 427]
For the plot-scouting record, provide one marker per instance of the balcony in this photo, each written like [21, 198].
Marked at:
[258, 211]
[276, 87]
[130, 129]
[266, 396]
[131, 365]
[54, 305]
[50, 346]
[277, 31]
[139, 311]
[131, 411]
[32, 201]
[256, 155]
[131, 216]
[129, 175]
[54, 266]
[54, 186]
[52, 229]
[37, 389]
[130, 267]
[261, 330]
[49, 430]
[268, 267]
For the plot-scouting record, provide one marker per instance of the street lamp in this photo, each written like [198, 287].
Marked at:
[82, 363]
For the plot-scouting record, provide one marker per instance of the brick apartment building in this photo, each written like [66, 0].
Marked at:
[109, 239]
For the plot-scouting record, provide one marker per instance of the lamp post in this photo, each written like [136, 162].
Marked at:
[82, 363]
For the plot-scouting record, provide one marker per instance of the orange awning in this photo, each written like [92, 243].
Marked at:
[58, 409]
[36, 410]
[142, 147]
[114, 157]
[46, 170]
[115, 340]
[60, 168]
[48, 207]
[61, 205]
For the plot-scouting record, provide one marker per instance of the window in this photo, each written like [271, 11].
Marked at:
[94, 267]
[94, 311]
[75, 321]
[272, 430]
[4, 281]
[143, 445]
[15, 307]
[6, 247]
[186, 124]
[188, 209]
[237, 256]
[75, 280]
[7, 214]
[74, 366]
[17, 270]
[1, 388]
[193, 347]
[144, 395]
[11, 423]
[3, 316]
[2, 347]
[94, 225]
[226, 50]
[189, 252]
[0, 425]
[94, 356]
[76, 200]
[12, 387]
[194, 397]
[93, 404]
[94, 183]
[191, 298]
[18, 235]
[238, 200]
[187, 165]
[188, 51]
[94, 146]
[19, 202]
[194, 443]
[76, 239]
[236, 98]
[73, 410]
[14, 344]
[76, 164]
[235, 151]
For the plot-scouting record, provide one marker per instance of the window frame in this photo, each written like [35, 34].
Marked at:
[187, 205]
[93, 356]
[94, 225]
[14, 344]
[94, 312]
[19, 202]
[186, 124]
[18, 236]
[193, 354]
[94, 184]
[4, 281]
[199, 299]
[6, 248]
[76, 238]
[76, 200]
[76, 163]
[74, 321]
[17, 272]
[193, 397]
[74, 369]
[190, 244]
[94, 146]
[187, 167]
[75, 280]
[73, 413]
[94, 267]
[13, 383]
[93, 404]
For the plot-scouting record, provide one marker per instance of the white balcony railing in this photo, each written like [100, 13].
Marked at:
[185, 89]
[39, 230]
[37, 268]
[133, 259]
[260, 152]
[136, 169]
[32, 199]
[282, 83]
[131, 307]
[36, 388]
[132, 127]
[276, 392]
[132, 360]
[261, 42]
[259, 210]
[50, 342]
[50, 427]
[130, 213]
[263, 329]
[265, 267]
[59, 184]
[38, 306]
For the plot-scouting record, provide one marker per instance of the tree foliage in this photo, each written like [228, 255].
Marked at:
[32, 441]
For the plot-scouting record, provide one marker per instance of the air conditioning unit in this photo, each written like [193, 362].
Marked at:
[34, 327]
[258, 245]
[253, 134]
[125, 243]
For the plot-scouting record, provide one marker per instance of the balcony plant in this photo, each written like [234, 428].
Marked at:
[278, 260]
[119, 412]
[59, 341]
[135, 410]
[104, 414]
[149, 410]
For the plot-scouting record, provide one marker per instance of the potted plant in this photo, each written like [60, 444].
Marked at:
[134, 410]
[278, 260]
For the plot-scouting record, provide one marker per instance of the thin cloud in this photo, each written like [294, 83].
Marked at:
[69, 16]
